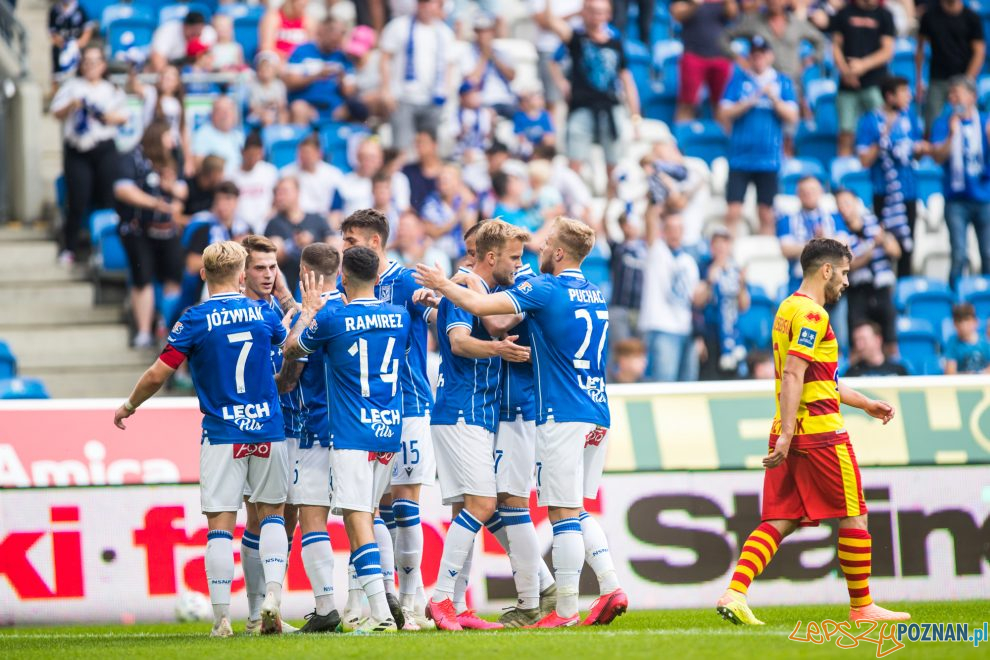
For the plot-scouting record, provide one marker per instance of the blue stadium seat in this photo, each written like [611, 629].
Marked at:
[932, 305]
[861, 183]
[280, 141]
[8, 363]
[841, 165]
[661, 106]
[94, 8]
[118, 11]
[910, 286]
[246, 34]
[178, 11]
[817, 145]
[919, 348]
[241, 10]
[22, 388]
[983, 92]
[826, 114]
[972, 284]
[126, 33]
[638, 61]
[903, 63]
[336, 138]
[795, 169]
[666, 60]
[980, 300]
[98, 220]
[701, 139]
[928, 175]
[112, 257]
[755, 324]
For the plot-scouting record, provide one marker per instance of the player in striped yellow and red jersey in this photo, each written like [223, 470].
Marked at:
[812, 473]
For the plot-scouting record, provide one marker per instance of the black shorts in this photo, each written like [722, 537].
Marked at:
[766, 186]
[868, 303]
[153, 259]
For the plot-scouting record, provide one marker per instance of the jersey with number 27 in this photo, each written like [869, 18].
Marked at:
[568, 320]
[364, 343]
[228, 341]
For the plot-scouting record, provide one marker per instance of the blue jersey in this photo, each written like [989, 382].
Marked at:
[228, 341]
[292, 411]
[363, 346]
[518, 384]
[468, 388]
[313, 393]
[569, 326]
[896, 142]
[757, 139]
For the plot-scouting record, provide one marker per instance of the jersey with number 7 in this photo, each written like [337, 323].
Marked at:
[569, 326]
[364, 343]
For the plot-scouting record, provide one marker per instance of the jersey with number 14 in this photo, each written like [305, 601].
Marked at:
[364, 344]
[228, 341]
[801, 331]
[568, 320]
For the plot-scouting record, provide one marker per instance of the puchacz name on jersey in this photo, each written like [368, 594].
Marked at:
[586, 296]
[359, 323]
[245, 415]
[221, 317]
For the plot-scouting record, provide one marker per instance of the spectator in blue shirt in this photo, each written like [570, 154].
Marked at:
[757, 104]
[726, 297]
[532, 124]
[959, 143]
[628, 264]
[888, 140]
[967, 352]
[319, 75]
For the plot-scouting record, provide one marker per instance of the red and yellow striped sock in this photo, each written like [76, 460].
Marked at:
[756, 553]
[855, 552]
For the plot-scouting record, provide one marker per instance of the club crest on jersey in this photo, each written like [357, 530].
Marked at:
[385, 293]
[313, 325]
[814, 317]
[525, 287]
[178, 328]
[807, 338]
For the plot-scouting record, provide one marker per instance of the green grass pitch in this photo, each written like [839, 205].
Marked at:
[673, 634]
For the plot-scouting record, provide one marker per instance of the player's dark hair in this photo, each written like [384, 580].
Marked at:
[361, 263]
[228, 188]
[891, 84]
[821, 251]
[371, 220]
[321, 258]
[194, 18]
[963, 312]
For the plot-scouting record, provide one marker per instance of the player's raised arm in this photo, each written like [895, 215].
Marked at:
[147, 386]
[478, 304]
[874, 408]
[312, 302]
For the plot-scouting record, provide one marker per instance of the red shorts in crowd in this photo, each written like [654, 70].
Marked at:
[696, 70]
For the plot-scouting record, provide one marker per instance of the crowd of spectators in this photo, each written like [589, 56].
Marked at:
[452, 133]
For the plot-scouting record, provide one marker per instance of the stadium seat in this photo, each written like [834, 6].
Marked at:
[22, 388]
[98, 220]
[909, 286]
[972, 284]
[918, 346]
[178, 11]
[903, 63]
[113, 258]
[795, 169]
[112, 13]
[336, 138]
[861, 184]
[928, 175]
[983, 92]
[638, 62]
[701, 139]
[666, 60]
[826, 114]
[127, 33]
[816, 145]
[246, 34]
[756, 323]
[8, 363]
[280, 141]
[661, 105]
[934, 306]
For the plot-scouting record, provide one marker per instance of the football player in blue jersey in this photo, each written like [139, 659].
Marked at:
[569, 328]
[466, 415]
[415, 465]
[364, 344]
[227, 341]
[309, 460]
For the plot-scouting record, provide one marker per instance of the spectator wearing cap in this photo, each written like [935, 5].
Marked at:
[960, 144]
[724, 297]
[954, 33]
[267, 96]
[474, 125]
[255, 179]
[199, 63]
[170, 42]
[356, 189]
[862, 46]
[366, 100]
[547, 42]
[221, 136]
[888, 140]
[758, 102]
[319, 181]
[284, 29]
[703, 62]
[318, 75]
[489, 70]
[871, 278]
[531, 123]
[416, 68]
[598, 73]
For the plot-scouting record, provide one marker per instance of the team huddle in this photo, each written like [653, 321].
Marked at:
[326, 407]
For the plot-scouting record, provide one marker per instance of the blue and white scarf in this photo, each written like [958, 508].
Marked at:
[967, 158]
[893, 154]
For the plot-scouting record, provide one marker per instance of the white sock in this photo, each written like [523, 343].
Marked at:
[254, 574]
[354, 591]
[463, 582]
[456, 550]
[317, 556]
[524, 554]
[546, 576]
[568, 558]
[597, 555]
[387, 552]
[408, 547]
[220, 571]
[367, 565]
[274, 548]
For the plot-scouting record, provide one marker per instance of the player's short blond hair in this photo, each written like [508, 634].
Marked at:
[494, 235]
[574, 237]
[223, 261]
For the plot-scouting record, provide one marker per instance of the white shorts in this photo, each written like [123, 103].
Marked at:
[358, 479]
[291, 444]
[229, 472]
[570, 457]
[309, 478]
[415, 463]
[465, 461]
[515, 457]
